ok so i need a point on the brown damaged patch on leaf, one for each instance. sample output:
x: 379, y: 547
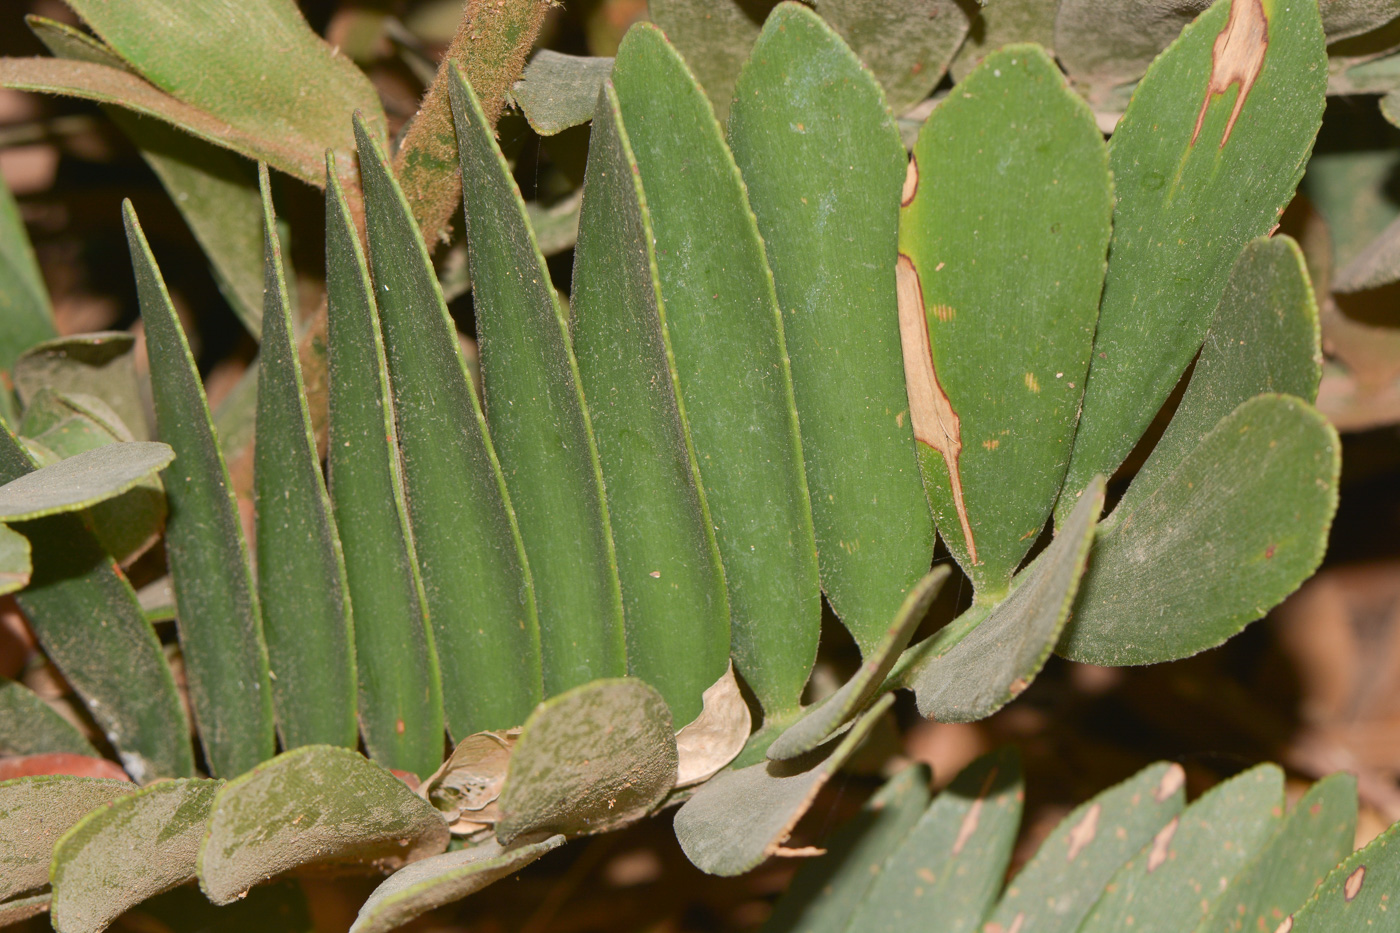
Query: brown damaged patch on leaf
x: 1083, y: 832
x: 801, y: 852
x: 911, y: 183
x: 715, y: 737
x: 1172, y: 781
x: 935, y: 422
x: 1237, y: 58
x: 1161, y: 845
x: 974, y: 813
x: 1286, y: 925
x: 1354, y: 882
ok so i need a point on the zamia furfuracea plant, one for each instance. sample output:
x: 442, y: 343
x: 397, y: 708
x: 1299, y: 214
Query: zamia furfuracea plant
x: 790, y: 350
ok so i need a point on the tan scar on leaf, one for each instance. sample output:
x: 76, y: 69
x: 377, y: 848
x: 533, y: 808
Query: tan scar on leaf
x: 1237, y: 58
x: 932, y: 416
x: 911, y: 183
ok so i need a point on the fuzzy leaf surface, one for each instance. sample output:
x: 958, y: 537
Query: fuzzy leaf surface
x: 57, y: 426
x: 34, y: 813
x: 215, y: 191
x: 301, y: 573
x: 1264, y: 338
x: 26, y: 316
x: 595, y: 757
x: 1059, y: 886
x: 994, y: 406
x: 100, y: 364
x: 1313, y: 839
x: 822, y: 720
x: 673, y: 595
x: 951, y: 862
x: 315, y: 805
x: 537, y: 419
x: 999, y: 658
x: 133, y: 848
x: 219, y: 624
x: 85, y: 615
x: 1172, y: 881
x: 81, y: 481
x: 16, y: 567
x: 400, y: 693
x: 106, y: 85
x: 1234, y: 528
x: 827, y: 890
x: 29, y: 726
x: 444, y: 879
x: 907, y: 44
x: 823, y: 165
x: 479, y: 595
x: 726, y: 334
x: 1209, y: 152
x: 558, y: 91
x: 740, y: 817
x: 255, y: 65
x: 1359, y: 894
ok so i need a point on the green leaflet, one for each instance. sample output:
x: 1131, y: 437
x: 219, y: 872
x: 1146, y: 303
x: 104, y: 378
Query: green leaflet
x: 1059, y: 886
x: 1312, y: 840
x: 257, y: 66
x: 479, y: 596
x: 219, y: 624
x: 820, y: 721
x: 558, y: 91
x: 1376, y: 265
x: 107, y: 85
x: 57, y: 426
x: 1003, y: 22
x: 400, y: 693
x: 827, y: 890
x: 726, y: 335
x: 668, y: 564
x: 34, y: 812
x: 315, y: 805
x: 100, y: 364
x: 22, y: 908
x: 15, y: 564
x: 1172, y: 881
x: 999, y: 658
x: 1104, y: 43
x: 951, y: 863
x: 715, y: 37
x: 1264, y: 338
x: 81, y: 481
x: 592, y: 759
x: 538, y: 424
x: 906, y: 45
x: 743, y: 815
x: 301, y: 574
x: 133, y: 848
x: 1234, y: 528
x: 86, y: 617
x: 213, y: 189
x: 1358, y: 896
x: 26, y: 317
x: 1009, y: 173
x: 823, y: 165
x: 29, y: 726
x: 1204, y: 160
x: 443, y: 879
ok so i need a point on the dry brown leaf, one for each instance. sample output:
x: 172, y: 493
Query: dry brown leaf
x: 717, y: 735
x: 470, y: 780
